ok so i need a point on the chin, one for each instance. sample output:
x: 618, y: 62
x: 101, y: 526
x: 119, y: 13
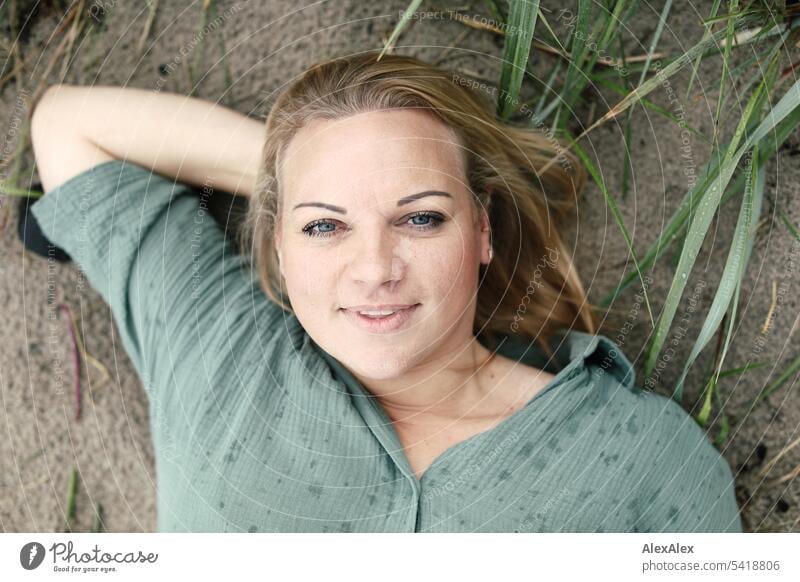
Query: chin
x: 375, y: 368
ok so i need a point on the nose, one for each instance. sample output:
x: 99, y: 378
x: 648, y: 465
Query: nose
x: 376, y: 259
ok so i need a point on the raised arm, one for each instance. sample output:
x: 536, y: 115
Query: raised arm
x: 194, y: 141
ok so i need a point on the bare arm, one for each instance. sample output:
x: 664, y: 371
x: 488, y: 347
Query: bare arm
x: 194, y: 141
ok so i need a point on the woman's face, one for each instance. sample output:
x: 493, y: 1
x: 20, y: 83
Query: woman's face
x: 377, y: 212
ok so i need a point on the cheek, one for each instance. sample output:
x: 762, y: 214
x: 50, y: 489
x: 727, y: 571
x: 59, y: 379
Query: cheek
x: 449, y: 268
x: 307, y: 274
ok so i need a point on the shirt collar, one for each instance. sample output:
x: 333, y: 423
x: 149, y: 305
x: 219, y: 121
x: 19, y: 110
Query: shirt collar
x: 571, y: 349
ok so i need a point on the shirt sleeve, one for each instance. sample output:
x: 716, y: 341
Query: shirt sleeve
x: 689, y: 486
x: 162, y: 263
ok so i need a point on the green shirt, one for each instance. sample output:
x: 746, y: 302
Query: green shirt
x: 256, y: 428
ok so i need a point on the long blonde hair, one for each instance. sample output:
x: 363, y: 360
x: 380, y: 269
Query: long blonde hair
x: 531, y: 287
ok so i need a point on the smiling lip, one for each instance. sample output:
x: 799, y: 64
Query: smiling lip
x: 385, y: 324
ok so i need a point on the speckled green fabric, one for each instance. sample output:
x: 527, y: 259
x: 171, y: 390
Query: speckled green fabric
x: 256, y: 428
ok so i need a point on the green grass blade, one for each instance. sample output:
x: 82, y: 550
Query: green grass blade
x: 585, y: 61
x: 7, y: 189
x: 408, y: 13
x: 578, y: 51
x: 710, y: 174
x: 662, y: 20
x: 707, y: 207
x: 627, y: 163
x: 612, y: 205
x: 742, y: 369
x: 726, y: 57
x: 494, y: 10
x: 705, y: 410
x: 521, y: 21
x: 548, y: 88
x: 648, y: 86
x: 72, y: 492
x: 618, y: 89
x: 787, y: 373
x: 751, y: 78
x: 724, y: 429
x: 550, y: 30
x: 714, y: 10
x: 627, y: 139
x: 674, y: 227
x: 97, y: 526
x: 770, y: 29
x: 733, y: 272
x: 629, y: 115
x: 788, y: 224
x: 679, y: 220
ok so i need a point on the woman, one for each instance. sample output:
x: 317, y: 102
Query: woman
x: 416, y: 353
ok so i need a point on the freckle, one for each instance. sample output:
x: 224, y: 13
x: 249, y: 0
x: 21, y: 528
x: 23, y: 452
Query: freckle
x: 252, y: 529
x: 221, y: 504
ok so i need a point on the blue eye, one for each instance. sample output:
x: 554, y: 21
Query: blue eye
x: 309, y: 229
x: 434, y: 220
x: 326, y: 228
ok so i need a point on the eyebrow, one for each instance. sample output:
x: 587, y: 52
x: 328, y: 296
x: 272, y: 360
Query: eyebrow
x: 401, y: 202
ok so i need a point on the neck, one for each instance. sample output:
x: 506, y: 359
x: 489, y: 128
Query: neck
x: 452, y: 385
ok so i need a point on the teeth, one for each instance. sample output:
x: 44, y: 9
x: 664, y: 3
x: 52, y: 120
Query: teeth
x: 376, y: 313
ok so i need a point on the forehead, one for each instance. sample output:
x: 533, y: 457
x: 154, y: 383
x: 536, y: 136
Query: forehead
x: 399, y: 148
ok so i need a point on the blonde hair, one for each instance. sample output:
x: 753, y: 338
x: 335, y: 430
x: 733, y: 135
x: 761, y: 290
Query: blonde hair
x: 525, y: 289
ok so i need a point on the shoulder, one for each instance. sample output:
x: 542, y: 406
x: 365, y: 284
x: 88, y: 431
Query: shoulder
x: 663, y: 434
x: 658, y: 425
x: 676, y: 478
